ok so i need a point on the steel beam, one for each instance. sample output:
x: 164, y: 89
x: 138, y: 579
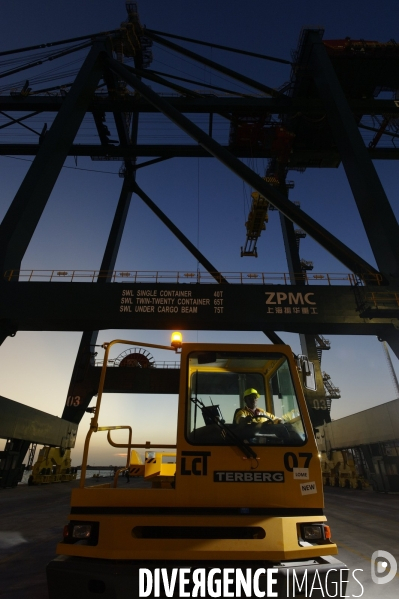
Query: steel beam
x: 18, y: 121
x: 308, y: 344
x: 85, y: 354
x: 23, y: 422
x: 308, y: 158
x: 191, y: 248
x: 120, y: 380
x: 314, y: 229
x: 314, y: 309
x: 214, y: 65
x: 80, y: 390
x: 180, y: 236
x: 227, y: 48
x: 314, y: 399
x: 374, y: 208
x: 121, y: 153
x: 291, y: 251
x: 211, y: 103
x: 22, y: 217
x: 184, y: 91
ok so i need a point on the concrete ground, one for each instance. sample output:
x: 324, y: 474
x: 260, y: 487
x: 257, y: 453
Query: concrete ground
x: 363, y: 522
x: 31, y: 523
x: 32, y: 519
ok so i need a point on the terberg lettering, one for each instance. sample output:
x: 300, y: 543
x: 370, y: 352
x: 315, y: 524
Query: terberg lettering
x: 273, y: 297
x: 235, y: 476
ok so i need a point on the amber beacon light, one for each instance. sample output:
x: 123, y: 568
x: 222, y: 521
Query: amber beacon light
x: 176, y: 340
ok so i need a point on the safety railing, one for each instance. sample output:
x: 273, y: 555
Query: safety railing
x: 382, y: 298
x: 241, y: 278
x: 162, y: 364
x: 97, y: 429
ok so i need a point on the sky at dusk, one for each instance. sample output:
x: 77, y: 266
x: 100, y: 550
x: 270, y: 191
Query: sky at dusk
x: 207, y: 202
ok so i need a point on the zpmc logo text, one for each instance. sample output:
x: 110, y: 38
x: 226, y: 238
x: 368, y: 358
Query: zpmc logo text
x: 292, y: 299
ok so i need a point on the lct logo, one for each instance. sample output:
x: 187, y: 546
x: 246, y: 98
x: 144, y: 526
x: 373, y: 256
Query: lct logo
x: 383, y: 567
x: 194, y: 462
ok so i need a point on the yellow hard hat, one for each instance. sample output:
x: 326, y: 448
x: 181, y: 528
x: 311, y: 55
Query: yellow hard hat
x: 251, y: 392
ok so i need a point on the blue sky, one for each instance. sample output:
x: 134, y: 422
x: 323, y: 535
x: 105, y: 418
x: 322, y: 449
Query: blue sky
x: 206, y: 201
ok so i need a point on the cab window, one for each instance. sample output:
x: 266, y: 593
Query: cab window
x: 218, y: 408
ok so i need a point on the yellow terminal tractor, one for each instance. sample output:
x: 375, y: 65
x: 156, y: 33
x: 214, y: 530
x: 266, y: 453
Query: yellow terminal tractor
x: 238, y: 512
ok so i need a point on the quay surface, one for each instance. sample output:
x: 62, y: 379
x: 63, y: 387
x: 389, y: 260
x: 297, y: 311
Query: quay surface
x: 32, y: 519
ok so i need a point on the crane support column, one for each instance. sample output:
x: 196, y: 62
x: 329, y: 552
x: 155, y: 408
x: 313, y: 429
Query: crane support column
x: 373, y: 205
x: 21, y: 219
x: 80, y: 391
x: 315, y: 399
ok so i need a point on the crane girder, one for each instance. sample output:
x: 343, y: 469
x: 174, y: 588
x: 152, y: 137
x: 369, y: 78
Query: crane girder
x: 328, y: 110
x: 314, y: 309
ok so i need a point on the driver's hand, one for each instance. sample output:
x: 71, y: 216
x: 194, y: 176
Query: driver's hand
x: 277, y: 421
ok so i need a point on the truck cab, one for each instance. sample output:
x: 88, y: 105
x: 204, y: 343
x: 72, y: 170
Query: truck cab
x: 242, y: 492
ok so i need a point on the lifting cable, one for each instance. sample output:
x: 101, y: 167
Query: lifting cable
x: 39, y: 62
x: 45, y: 76
x: 227, y: 48
x: 198, y: 210
x: 208, y: 85
x: 213, y: 65
x: 215, y: 71
x: 92, y: 170
x: 18, y: 60
x: 59, y: 43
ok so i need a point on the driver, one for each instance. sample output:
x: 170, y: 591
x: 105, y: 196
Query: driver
x: 250, y: 413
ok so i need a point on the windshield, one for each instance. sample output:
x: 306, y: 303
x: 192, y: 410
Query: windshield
x: 251, y: 395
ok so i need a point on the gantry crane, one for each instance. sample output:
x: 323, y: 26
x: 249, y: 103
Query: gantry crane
x: 329, y: 106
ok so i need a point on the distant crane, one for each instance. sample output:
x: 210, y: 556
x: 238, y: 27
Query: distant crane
x: 255, y: 224
x: 391, y: 368
x: 332, y: 392
x: 258, y: 215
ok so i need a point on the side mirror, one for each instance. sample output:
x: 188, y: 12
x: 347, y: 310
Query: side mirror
x: 206, y: 357
x: 307, y: 369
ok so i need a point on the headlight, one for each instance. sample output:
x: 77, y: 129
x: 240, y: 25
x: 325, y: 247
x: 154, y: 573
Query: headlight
x: 315, y: 532
x: 76, y: 531
x: 81, y: 531
x: 312, y: 533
